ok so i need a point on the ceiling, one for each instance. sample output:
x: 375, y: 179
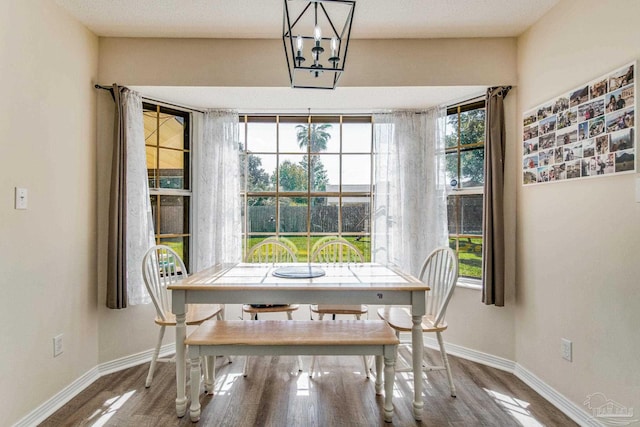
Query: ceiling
x: 263, y: 19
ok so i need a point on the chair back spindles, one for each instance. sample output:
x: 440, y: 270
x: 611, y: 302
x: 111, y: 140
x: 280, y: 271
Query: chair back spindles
x: 440, y: 272
x: 162, y: 267
x: 337, y: 252
x: 271, y: 250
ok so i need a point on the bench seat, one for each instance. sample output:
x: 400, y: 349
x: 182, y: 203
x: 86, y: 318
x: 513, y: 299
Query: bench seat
x: 294, y: 337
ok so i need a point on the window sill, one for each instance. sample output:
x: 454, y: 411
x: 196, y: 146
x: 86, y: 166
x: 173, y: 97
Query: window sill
x: 465, y: 282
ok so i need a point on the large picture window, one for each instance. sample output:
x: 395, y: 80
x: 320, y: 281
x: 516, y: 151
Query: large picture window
x: 167, y: 142
x: 306, y: 178
x: 464, y: 144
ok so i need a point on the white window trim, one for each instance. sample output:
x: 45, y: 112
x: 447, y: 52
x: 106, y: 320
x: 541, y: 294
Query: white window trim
x: 469, y: 283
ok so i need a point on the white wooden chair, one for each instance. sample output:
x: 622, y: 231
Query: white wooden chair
x: 161, y: 267
x: 270, y: 250
x: 440, y: 273
x: 332, y: 251
x: 323, y: 240
x: 335, y: 250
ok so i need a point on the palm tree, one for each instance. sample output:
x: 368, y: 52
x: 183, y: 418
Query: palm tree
x: 319, y: 136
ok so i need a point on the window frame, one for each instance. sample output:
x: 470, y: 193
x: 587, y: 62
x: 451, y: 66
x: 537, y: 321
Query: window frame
x: 187, y: 192
x: 244, y: 119
x: 277, y: 193
x: 459, y: 192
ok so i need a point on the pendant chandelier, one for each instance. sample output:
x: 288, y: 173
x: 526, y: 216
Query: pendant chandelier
x: 316, y: 39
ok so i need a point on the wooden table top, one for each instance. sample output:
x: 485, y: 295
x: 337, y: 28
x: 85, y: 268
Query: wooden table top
x: 242, y: 276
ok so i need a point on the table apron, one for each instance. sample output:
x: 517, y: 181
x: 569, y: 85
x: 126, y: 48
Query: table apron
x: 257, y: 296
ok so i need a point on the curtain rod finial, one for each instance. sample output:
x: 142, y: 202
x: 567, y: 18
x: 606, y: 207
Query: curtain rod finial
x: 110, y: 89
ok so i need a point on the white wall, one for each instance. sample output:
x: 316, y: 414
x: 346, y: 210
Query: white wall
x: 199, y: 62
x: 578, y: 241
x: 48, y: 63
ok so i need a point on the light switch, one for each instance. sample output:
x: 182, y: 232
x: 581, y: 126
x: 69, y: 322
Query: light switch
x: 638, y: 189
x: 21, y: 198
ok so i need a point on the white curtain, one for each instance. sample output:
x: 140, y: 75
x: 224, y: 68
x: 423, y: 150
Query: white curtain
x: 410, y: 210
x: 217, y: 192
x: 138, y: 223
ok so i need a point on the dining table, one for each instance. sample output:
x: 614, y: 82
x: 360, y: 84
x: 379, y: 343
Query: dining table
x: 339, y: 283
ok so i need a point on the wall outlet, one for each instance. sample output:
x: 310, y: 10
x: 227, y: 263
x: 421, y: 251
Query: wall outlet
x: 566, y: 349
x: 57, y: 345
x: 21, y: 198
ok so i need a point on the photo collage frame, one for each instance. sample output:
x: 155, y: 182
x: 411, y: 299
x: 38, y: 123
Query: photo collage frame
x: 586, y: 132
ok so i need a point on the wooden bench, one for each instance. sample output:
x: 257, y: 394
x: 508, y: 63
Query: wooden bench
x: 293, y: 337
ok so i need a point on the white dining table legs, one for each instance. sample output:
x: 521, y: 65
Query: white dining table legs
x: 181, y: 366
x: 417, y: 347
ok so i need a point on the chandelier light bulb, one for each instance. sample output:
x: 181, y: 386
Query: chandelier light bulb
x: 299, y: 43
x: 334, y: 46
x: 317, y: 34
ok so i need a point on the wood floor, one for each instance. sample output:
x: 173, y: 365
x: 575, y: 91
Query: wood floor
x: 275, y: 394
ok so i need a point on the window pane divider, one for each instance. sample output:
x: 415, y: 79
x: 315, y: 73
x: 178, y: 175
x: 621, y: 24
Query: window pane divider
x: 465, y: 191
x: 169, y: 192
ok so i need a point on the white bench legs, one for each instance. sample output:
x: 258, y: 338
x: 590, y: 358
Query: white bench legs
x: 282, y: 337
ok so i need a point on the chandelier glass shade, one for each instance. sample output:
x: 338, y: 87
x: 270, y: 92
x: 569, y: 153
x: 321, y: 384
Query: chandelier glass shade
x: 316, y: 40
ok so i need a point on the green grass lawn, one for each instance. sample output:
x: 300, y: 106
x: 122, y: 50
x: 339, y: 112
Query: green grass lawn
x: 469, y: 257
x: 175, y: 245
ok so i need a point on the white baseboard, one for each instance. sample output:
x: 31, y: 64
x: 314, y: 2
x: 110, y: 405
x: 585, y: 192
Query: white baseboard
x: 134, y: 360
x: 573, y: 411
x: 466, y: 353
x: 61, y: 398
x: 570, y: 409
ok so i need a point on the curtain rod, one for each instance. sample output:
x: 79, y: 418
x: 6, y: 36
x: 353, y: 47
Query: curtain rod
x: 107, y: 88
x: 467, y: 101
x: 503, y: 89
x: 256, y: 113
x: 146, y: 98
x: 169, y: 104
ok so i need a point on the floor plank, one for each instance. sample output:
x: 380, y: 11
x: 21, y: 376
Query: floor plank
x: 276, y: 394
